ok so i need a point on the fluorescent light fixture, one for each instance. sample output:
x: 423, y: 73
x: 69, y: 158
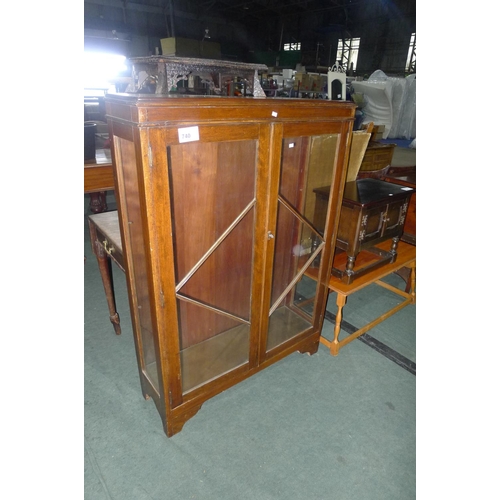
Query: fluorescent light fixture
x: 99, y: 68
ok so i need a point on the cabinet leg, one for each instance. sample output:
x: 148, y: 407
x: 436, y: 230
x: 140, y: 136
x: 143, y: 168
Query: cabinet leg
x: 174, y: 422
x: 310, y: 349
x: 334, y: 347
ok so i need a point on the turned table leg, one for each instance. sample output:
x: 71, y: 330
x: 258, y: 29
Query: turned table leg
x: 98, y: 202
x: 394, y: 248
x: 413, y: 281
x: 107, y: 279
x: 334, y: 347
x: 349, y: 268
x: 104, y: 262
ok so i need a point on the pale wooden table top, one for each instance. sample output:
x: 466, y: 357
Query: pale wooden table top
x: 108, y: 223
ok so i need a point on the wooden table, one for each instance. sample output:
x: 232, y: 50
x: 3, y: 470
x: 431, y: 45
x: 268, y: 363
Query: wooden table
x: 98, y: 178
x: 406, y: 258
x: 106, y: 243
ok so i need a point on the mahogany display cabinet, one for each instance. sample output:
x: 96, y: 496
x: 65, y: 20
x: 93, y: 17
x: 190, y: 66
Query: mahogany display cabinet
x: 215, y: 202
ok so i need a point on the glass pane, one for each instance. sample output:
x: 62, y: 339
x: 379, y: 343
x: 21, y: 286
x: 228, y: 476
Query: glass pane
x: 210, y: 358
x: 307, y: 166
x: 213, y: 206
x: 125, y: 151
x: 225, y: 291
x: 212, y: 183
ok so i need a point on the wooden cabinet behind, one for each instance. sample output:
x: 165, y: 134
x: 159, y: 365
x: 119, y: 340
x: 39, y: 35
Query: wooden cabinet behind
x: 216, y: 203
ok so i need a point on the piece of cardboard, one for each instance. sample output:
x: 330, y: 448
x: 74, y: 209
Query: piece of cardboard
x: 187, y: 47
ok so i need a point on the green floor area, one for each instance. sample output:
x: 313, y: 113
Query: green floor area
x: 308, y: 427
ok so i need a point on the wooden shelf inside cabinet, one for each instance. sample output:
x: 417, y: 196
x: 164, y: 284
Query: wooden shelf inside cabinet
x: 215, y: 201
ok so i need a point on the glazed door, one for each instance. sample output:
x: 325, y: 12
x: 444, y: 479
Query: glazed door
x: 308, y: 161
x: 213, y: 189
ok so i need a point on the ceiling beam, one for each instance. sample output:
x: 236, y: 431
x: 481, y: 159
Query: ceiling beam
x: 119, y: 4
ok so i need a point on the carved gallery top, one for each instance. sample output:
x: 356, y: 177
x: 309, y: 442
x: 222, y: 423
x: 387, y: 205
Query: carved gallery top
x: 167, y: 71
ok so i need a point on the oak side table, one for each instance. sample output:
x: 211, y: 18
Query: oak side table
x: 406, y: 258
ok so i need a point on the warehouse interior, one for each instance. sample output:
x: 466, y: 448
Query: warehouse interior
x: 343, y: 426
x: 258, y: 30
x: 319, y: 426
x: 358, y: 425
